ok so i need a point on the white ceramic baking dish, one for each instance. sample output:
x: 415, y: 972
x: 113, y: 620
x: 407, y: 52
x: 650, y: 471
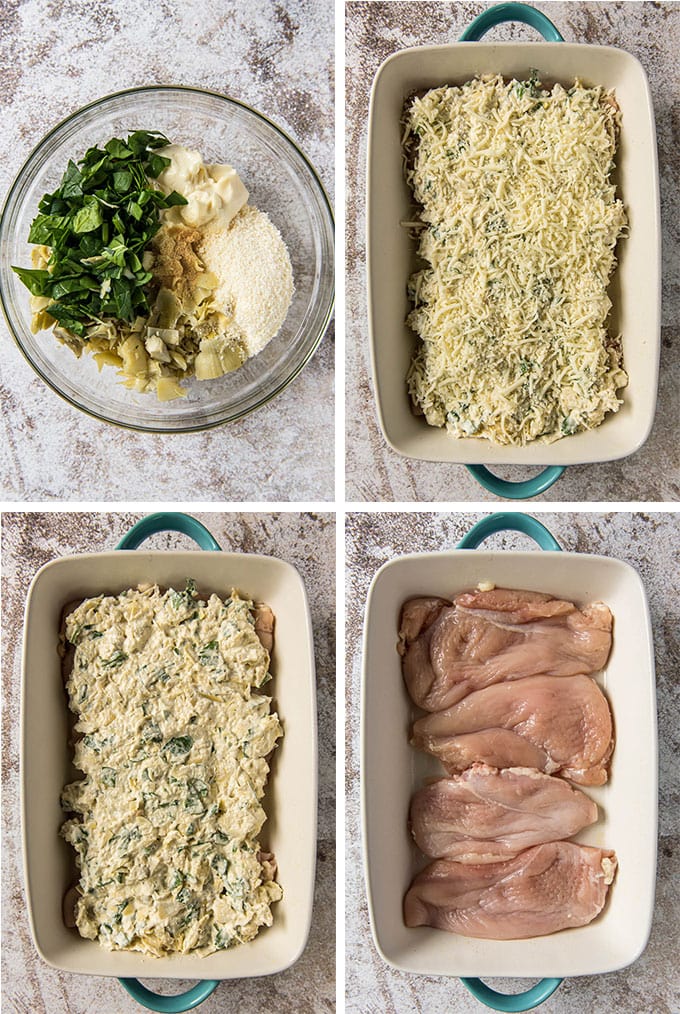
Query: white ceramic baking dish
x: 391, y: 770
x: 291, y: 797
x: 635, y: 290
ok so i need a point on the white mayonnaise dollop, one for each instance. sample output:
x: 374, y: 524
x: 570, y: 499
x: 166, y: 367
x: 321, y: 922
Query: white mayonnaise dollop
x: 213, y: 192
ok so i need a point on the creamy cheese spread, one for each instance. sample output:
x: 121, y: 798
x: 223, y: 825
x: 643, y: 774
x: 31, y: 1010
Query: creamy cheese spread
x: 518, y: 225
x: 172, y: 739
x: 214, y: 193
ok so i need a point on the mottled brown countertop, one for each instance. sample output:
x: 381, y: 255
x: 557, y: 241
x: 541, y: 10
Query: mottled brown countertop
x: 651, y: 32
x: 650, y: 543
x: 56, y: 57
x: 28, y: 541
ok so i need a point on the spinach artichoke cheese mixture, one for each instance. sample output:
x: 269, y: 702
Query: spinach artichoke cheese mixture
x: 155, y: 263
x: 518, y: 224
x: 173, y: 736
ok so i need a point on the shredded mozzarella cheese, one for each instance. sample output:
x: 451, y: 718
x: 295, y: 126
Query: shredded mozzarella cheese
x: 518, y: 226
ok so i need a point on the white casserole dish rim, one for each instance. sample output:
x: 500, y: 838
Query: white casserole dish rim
x: 613, y: 940
x: 291, y: 795
x: 635, y: 288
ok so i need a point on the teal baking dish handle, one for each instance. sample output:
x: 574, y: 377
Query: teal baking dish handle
x: 165, y: 521
x: 516, y: 490
x: 511, y: 12
x: 513, y: 522
x: 516, y: 522
x: 512, y: 1001
x: 170, y: 1004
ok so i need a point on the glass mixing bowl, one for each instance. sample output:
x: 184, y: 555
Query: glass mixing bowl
x: 281, y: 182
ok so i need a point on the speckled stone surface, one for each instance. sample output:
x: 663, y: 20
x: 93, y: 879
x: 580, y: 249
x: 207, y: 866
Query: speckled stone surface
x: 56, y: 57
x: 651, y: 32
x: 28, y: 541
x: 649, y: 542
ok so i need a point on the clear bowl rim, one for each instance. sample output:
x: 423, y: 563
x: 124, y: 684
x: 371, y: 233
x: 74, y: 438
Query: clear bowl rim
x: 320, y: 330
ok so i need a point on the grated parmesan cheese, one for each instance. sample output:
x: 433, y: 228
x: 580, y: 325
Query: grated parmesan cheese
x: 518, y: 226
x: 255, y: 286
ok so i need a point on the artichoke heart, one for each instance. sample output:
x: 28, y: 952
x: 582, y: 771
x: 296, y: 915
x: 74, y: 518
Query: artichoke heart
x: 156, y: 347
x: 169, y: 335
x: 166, y: 309
x: 167, y: 389
x: 133, y: 353
x: 219, y: 355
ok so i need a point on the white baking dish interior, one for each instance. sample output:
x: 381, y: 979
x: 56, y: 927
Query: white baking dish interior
x: 392, y: 770
x: 291, y: 797
x: 635, y: 290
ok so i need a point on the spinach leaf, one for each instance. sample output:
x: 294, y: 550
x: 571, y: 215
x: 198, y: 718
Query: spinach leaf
x: 109, y: 777
x: 88, y: 218
x: 208, y: 654
x: 116, y: 659
x: 179, y: 745
x: 151, y: 733
x: 220, y: 865
x: 187, y: 597
x: 34, y: 279
x: 222, y: 938
x: 72, y: 183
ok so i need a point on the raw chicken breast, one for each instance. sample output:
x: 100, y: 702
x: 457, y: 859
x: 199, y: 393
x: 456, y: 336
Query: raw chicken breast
x: 485, y: 815
x: 484, y: 637
x: 560, y: 726
x: 544, y: 889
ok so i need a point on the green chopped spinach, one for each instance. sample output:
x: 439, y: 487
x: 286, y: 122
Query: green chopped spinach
x: 178, y: 746
x: 109, y: 777
x: 126, y: 836
x: 97, y: 224
x: 208, y: 654
x: 75, y: 635
x: 197, y: 790
x: 187, y: 597
x: 220, y: 865
x: 151, y: 733
x: 119, y: 911
x: 116, y: 660
x: 222, y: 939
